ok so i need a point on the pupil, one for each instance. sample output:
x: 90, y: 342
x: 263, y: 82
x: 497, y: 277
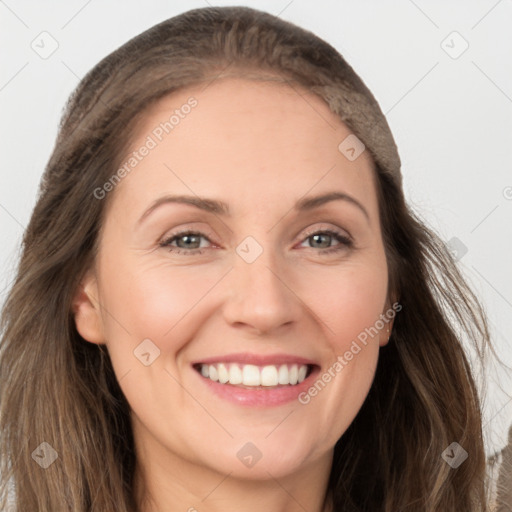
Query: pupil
x: 318, y: 236
x: 190, y: 238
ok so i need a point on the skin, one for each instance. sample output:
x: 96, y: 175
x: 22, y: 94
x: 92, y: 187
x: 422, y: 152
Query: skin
x: 258, y: 147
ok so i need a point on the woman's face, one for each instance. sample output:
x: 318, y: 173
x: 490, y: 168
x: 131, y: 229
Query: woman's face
x: 265, y: 283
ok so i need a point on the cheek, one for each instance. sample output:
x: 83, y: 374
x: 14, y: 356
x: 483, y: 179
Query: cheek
x: 153, y: 301
x: 349, y: 302
x: 350, y: 306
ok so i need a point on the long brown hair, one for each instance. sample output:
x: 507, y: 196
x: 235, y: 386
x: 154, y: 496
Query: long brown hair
x: 61, y: 390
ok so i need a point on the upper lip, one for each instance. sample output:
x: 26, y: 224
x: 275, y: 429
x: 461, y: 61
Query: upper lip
x: 256, y: 359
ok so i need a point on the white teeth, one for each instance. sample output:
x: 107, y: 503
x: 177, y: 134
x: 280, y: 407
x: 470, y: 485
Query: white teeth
x: 235, y: 375
x: 252, y: 375
x: 213, y: 374
x: 294, y: 374
x: 302, y: 373
x: 223, y: 373
x: 283, y: 375
x: 269, y: 376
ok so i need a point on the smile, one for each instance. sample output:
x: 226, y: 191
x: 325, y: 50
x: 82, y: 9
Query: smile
x: 249, y: 375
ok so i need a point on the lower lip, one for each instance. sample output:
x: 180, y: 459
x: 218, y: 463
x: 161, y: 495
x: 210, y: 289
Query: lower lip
x: 259, y: 396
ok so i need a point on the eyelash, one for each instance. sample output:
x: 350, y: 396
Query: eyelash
x: 345, y: 242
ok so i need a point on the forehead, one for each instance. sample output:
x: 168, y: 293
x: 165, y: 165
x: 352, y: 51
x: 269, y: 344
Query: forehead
x: 244, y: 138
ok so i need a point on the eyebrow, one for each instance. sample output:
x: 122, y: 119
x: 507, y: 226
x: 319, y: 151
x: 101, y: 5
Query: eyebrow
x: 221, y: 208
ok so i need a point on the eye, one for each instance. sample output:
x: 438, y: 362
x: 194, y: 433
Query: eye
x: 345, y: 242
x: 189, y: 242
x: 190, y: 238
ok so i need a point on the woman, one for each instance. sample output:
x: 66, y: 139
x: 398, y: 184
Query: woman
x: 256, y: 369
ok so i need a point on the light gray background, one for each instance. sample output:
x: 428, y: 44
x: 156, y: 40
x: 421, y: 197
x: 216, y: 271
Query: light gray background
x: 451, y: 116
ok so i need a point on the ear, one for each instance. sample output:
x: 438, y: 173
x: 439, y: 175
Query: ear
x: 86, y: 310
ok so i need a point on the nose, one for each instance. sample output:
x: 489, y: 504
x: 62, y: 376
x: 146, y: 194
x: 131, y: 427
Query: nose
x: 261, y: 295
